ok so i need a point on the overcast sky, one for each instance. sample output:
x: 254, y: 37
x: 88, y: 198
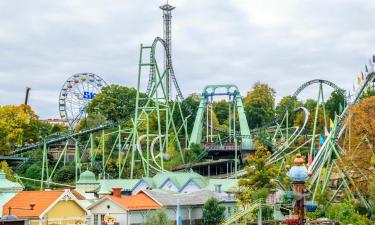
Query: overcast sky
x: 283, y: 43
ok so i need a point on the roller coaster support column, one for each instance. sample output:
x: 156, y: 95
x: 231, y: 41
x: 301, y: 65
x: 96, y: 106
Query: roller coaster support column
x: 92, y: 157
x: 44, y: 166
x: 76, y: 156
x: 315, y: 121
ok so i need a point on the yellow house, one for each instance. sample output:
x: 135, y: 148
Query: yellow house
x: 52, y: 207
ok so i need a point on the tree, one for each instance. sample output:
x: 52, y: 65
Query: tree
x: 257, y: 181
x: 115, y: 102
x: 34, y: 171
x: 213, y: 212
x: 335, y: 104
x: 287, y: 103
x: 7, y: 170
x: 189, y: 108
x: 259, y: 105
x: 159, y: 217
x: 65, y: 174
x: 358, y: 143
x: 92, y: 120
x: 346, y: 214
x: 221, y: 109
x: 17, y: 125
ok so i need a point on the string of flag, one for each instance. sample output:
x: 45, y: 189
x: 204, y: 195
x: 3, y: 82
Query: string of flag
x: 368, y: 69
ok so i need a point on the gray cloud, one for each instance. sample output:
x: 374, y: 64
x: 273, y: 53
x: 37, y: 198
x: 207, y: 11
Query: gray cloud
x: 283, y: 43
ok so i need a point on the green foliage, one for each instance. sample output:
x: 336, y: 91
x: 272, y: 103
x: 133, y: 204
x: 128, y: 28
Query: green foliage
x: 290, y: 104
x: 191, y: 102
x: 65, y: 174
x: 257, y: 181
x: 335, y: 104
x: 159, y: 217
x: 7, y: 170
x: 213, y: 212
x: 221, y: 109
x: 346, y: 214
x: 115, y: 102
x: 259, y: 105
x: 92, y: 120
x: 34, y: 171
x: 193, y: 153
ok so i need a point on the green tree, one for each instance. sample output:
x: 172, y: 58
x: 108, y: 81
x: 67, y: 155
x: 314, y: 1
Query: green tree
x: 7, y: 170
x: 335, y: 104
x: 159, y: 217
x: 92, y: 120
x: 259, y: 105
x: 34, y: 171
x: 221, y: 109
x: 213, y: 212
x: 65, y: 174
x: 287, y: 103
x: 346, y: 214
x: 257, y: 181
x: 115, y: 102
x: 189, y: 108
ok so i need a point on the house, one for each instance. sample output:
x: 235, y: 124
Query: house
x: 47, y: 207
x: 8, y: 189
x: 123, y: 209
x: 191, y: 204
x: 177, y: 182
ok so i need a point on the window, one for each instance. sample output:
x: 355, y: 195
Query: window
x: 96, y: 220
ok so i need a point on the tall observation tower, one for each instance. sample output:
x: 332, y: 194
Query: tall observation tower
x: 167, y: 20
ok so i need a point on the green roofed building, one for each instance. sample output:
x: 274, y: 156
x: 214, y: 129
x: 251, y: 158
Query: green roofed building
x: 8, y: 189
x: 171, y: 182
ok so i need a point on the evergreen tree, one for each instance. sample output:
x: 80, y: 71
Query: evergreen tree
x: 213, y: 212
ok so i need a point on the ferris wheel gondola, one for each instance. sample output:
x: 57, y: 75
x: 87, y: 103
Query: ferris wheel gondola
x: 75, y: 95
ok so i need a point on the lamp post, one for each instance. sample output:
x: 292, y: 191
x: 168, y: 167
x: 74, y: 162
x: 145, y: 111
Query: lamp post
x: 32, y: 205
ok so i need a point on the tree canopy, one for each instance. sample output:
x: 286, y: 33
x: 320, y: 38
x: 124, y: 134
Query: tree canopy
x: 259, y: 105
x: 213, y: 212
x: 115, y: 102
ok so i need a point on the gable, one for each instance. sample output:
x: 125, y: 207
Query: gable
x: 189, y: 187
x: 169, y: 186
x: 102, y: 206
x: 142, y: 185
x: 65, y: 208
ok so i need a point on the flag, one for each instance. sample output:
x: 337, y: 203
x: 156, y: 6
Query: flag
x: 362, y: 76
x: 359, y: 80
x: 321, y: 139
x: 366, y: 69
x: 326, y: 133
x: 330, y: 123
x: 309, y: 159
x: 178, y: 214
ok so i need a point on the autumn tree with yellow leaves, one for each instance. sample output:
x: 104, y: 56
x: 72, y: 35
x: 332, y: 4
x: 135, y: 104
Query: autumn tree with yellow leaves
x: 18, y: 124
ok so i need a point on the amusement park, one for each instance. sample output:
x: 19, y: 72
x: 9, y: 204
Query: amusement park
x: 138, y: 150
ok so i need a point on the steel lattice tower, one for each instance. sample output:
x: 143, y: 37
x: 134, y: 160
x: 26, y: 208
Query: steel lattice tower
x: 167, y: 19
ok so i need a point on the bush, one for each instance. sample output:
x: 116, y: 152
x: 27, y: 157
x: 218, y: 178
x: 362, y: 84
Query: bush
x: 159, y: 217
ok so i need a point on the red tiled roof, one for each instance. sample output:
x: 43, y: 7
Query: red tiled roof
x: 139, y: 201
x: 41, y: 199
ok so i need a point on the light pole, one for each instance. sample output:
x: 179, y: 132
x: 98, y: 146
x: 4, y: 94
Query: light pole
x: 32, y: 205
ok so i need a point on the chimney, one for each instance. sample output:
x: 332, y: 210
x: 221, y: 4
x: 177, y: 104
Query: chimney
x: 116, y: 192
x: 218, y: 188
